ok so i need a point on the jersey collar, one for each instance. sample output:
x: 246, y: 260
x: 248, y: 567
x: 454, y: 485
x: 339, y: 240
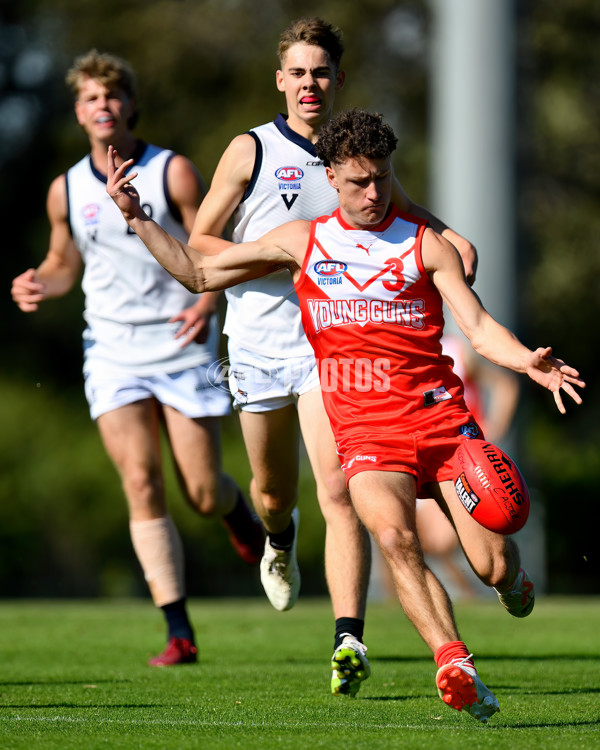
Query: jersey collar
x: 392, y: 214
x: 281, y: 125
x: 137, y: 154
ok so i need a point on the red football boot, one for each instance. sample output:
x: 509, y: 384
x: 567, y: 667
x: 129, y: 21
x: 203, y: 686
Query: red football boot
x: 178, y: 651
x: 246, y: 533
x: 460, y: 687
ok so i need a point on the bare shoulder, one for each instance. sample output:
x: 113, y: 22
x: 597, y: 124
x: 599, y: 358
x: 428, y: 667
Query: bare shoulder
x: 237, y: 162
x: 229, y: 182
x: 56, y: 201
x: 437, y: 252
x: 185, y: 182
x: 180, y: 167
x: 242, y: 145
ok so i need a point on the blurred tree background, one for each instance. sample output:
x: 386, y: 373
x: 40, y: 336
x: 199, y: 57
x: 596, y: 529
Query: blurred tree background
x: 206, y: 73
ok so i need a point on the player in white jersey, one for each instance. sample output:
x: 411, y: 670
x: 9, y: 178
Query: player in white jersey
x: 148, y: 344
x: 380, y: 312
x: 266, y: 177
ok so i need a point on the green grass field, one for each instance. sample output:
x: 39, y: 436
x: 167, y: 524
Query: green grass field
x: 73, y: 675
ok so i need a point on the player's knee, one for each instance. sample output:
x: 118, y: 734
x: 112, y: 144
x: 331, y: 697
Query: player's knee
x: 275, y: 498
x: 497, y: 571
x: 204, y: 499
x: 399, y: 546
x: 334, y: 501
x: 499, y: 567
x: 332, y: 493
x: 144, y: 489
x: 278, y: 504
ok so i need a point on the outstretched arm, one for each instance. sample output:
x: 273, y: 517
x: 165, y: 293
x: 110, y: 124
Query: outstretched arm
x: 176, y: 257
x: 490, y: 339
x: 215, y: 263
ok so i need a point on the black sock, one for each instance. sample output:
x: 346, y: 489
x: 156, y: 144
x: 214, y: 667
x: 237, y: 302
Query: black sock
x: 348, y: 626
x: 284, y: 539
x: 239, y: 513
x: 178, y: 622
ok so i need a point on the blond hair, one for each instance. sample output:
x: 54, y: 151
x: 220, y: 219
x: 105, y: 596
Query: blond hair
x: 110, y: 70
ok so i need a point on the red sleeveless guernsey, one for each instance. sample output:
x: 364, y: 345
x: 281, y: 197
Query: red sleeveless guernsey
x: 375, y: 319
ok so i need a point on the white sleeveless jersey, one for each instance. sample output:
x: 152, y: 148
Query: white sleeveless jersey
x: 288, y: 183
x: 129, y: 297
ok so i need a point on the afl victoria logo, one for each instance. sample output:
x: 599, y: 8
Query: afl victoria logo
x: 289, y: 174
x: 330, y: 267
x: 91, y: 213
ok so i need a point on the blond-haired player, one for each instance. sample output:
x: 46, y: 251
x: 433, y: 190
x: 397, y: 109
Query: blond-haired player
x: 148, y: 343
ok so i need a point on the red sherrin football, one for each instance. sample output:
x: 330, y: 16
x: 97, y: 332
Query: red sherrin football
x: 490, y: 486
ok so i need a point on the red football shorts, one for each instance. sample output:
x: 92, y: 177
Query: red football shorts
x: 425, y: 452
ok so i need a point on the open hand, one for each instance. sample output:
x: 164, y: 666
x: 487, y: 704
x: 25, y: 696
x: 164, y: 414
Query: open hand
x: 195, y: 326
x: 119, y: 187
x: 554, y: 375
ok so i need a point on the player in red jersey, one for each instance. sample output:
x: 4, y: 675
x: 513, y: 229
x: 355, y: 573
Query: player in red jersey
x: 266, y: 177
x: 371, y: 282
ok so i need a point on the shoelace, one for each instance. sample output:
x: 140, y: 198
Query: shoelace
x: 460, y: 662
x: 356, y: 645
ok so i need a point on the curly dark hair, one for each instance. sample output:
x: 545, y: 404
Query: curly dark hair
x: 355, y: 132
